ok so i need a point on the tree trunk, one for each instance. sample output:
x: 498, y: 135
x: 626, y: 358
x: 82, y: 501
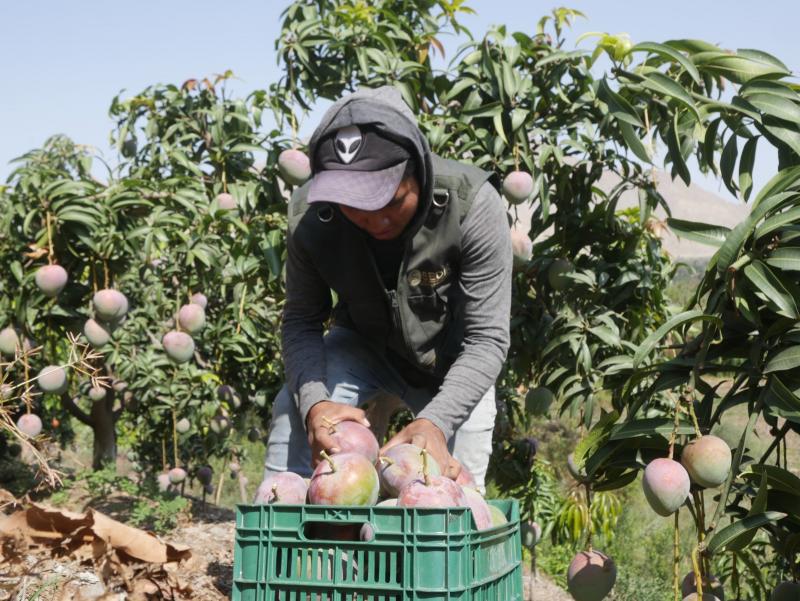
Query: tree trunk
x: 105, y: 435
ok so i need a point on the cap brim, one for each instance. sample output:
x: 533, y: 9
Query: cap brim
x: 365, y: 190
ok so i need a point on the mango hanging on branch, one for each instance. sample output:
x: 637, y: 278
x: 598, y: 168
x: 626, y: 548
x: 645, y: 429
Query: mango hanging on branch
x: 51, y: 279
x: 294, y: 167
x: 517, y: 186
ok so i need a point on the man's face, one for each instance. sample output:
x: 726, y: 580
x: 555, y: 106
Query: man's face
x: 390, y: 221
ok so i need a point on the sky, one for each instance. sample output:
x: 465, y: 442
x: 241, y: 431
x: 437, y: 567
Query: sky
x: 61, y: 63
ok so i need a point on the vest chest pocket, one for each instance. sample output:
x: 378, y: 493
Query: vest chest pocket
x: 431, y: 308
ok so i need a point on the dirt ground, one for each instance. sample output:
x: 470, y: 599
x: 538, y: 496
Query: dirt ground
x: 206, y: 576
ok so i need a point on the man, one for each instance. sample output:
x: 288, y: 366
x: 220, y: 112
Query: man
x: 417, y: 250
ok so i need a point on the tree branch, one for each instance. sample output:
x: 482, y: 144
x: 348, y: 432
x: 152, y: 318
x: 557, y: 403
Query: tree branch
x: 69, y: 404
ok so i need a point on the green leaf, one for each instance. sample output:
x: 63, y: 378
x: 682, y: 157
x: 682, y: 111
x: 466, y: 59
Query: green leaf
x: 666, y: 86
x: 773, y: 88
x: 771, y: 287
x: 785, y: 258
x: 594, y: 439
x: 671, y: 54
x: 739, y: 68
x: 728, y: 534
x: 180, y: 157
x: 786, y: 132
x: 692, y: 46
x: 783, y: 180
x: 484, y: 110
x: 755, y: 569
x: 648, y: 427
x: 786, y: 359
x: 710, y: 143
x: 746, y: 167
x: 407, y: 93
x: 775, y: 105
x: 271, y: 244
x: 727, y: 163
x: 729, y: 252
x: 674, y: 145
x: 649, y: 343
x: 776, y: 222
x: 782, y: 402
x: 242, y: 147
x: 634, y: 143
x: 705, y: 233
x: 615, y: 483
x: 498, y: 126
x: 79, y: 216
x: 618, y: 106
x: 458, y: 87
x: 778, y: 478
x: 518, y: 117
x: 606, y: 335
x: 509, y: 82
x: 764, y: 57
x: 759, y: 505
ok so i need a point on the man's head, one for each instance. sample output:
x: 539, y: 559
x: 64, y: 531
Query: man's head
x: 370, y: 177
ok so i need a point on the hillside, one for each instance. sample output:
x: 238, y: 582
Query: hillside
x: 692, y: 203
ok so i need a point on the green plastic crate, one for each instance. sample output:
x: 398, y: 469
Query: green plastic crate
x: 416, y: 554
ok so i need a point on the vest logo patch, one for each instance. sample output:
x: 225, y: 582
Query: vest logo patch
x: 430, y: 279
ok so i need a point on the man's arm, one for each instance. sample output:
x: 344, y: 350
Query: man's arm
x: 308, y: 306
x: 486, y: 283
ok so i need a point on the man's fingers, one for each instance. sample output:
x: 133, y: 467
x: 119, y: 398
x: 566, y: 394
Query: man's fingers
x: 393, y: 442
x: 324, y: 441
x: 453, y: 469
x: 344, y: 413
x: 357, y: 415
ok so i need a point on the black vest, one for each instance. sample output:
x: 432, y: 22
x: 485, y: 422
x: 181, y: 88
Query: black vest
x: 422, y: 320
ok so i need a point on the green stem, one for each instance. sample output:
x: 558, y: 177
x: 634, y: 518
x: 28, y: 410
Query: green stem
x: 783, y: 431
x: 733, y: 390
x: 174, y: 437
x: 676, y: 559
x: 698, y: 578
x: 675, y: 425
x: 588, y: 487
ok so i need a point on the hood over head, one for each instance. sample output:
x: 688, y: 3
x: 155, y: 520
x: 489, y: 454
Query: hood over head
x: 361, y: 147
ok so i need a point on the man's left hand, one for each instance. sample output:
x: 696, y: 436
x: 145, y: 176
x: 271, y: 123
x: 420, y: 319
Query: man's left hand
x: 426, y: 435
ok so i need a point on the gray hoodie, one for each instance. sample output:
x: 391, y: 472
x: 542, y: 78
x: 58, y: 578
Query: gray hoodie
x: 485, y: 279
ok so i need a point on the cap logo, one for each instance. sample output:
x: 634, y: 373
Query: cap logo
x: 347, y: 143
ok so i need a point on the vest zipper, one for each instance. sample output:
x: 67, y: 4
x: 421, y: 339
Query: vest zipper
x: 391, y: 296
x: 395, y: 304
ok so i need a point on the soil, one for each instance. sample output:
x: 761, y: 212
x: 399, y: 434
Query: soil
x: 207, y: 576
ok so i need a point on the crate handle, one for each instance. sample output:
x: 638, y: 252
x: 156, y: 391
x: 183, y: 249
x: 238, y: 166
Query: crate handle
x: 338, y: 531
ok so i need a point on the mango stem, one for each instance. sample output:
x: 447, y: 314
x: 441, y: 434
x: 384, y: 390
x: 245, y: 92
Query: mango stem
x: 425, y: 473
x: 327, y: 458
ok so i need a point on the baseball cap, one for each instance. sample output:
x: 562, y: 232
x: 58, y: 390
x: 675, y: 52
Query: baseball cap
x: 357, y: 167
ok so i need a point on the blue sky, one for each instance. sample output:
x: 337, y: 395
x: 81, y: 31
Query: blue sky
x: 62, y: 62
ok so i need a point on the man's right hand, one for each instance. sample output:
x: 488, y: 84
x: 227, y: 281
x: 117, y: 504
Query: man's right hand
x: 319, y: 420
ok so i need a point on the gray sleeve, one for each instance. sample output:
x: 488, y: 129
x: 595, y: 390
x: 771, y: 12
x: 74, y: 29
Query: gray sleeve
x: 308, y: 306
x: 486, y: 283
